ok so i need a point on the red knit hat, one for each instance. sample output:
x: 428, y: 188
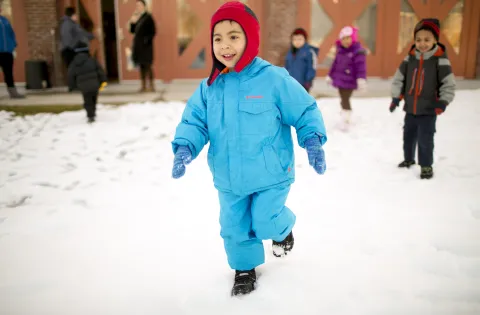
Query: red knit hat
x: 432, y: 25
x: 243, y: 15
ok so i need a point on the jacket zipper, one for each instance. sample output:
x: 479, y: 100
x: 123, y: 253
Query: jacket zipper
x: 417, y: 83
x: 422, y: 80
x: 414, y: 77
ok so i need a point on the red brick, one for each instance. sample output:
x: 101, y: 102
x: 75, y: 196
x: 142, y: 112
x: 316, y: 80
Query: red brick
x: 41, y: 19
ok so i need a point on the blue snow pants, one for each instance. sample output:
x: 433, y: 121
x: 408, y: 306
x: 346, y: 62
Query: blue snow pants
x: 247, y: 220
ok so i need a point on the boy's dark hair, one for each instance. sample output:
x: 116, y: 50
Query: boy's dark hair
x: 142, y: 1
x: 300, y: 31
x: 69, y: 11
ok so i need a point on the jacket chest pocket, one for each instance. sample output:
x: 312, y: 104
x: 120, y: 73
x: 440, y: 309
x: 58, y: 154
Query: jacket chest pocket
x: 257, y: 118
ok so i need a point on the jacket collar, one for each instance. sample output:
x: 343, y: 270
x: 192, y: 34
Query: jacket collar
x: 437, y: 51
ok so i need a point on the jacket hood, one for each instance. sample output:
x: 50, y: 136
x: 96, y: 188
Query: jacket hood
x: 438, y: 51
x: 243, y: 15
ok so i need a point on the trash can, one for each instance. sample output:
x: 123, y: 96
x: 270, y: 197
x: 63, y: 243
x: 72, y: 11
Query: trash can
x: 36, y: 75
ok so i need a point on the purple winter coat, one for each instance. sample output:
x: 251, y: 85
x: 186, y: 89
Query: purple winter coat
x: 348, y: 66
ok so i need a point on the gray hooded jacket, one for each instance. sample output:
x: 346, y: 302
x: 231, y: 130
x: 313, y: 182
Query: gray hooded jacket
x: 424, y: 80
x: 71, y: 33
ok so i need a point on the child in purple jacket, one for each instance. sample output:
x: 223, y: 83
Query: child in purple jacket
x: 348, y: 71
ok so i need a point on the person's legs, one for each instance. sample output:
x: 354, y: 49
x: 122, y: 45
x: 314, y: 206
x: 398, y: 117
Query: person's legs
x: 346, y: 112
x: 271, y: 219
x: 410, y: 133
x: 151, y: 78
x: 426, y: 132
x: 6, y: 63
x: 244, y: 250
x: 89, y: 103
x: 143, y: 77
x: 345, y: 95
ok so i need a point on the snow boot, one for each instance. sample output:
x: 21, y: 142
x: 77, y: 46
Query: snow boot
x: 91, y: 120
x: 13, y: 93
x: 427, y: 172
x: 143, y: 87
x: 244, y: 282
x: 152, y: 86
x: 282, y: 248
x: 406, y: 164
x: 345, y: 120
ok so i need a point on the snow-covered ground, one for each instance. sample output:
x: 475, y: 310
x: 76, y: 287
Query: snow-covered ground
x: 92, y: 223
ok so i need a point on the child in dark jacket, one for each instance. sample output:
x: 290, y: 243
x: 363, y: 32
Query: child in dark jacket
x: 301, y: 60
x: 349, y: 70
x: 86, y: 74
x: 426, y: 82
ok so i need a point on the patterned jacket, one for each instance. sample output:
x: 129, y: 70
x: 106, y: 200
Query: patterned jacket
x: 424, y: 80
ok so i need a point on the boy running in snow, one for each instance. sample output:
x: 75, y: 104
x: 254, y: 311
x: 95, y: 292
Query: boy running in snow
x: 245, y: 109
x: 426, y: 82
x: 301, y: 60
x: 349, y: 69
x: 86, y: 74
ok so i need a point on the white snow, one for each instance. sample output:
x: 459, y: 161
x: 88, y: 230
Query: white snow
x: 91, y: 221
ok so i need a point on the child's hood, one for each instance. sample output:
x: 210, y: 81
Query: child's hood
x: 243, y: 15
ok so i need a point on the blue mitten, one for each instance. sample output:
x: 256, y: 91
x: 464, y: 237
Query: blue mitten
x: 316, y: 156
x: 182, y: 157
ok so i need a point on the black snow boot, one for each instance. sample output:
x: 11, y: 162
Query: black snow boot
x: 282, y: 248
x: 406, y: 164
x: 427, y: 172
x: 244, y: 282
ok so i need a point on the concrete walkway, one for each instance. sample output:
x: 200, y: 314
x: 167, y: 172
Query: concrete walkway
x: 178, y: 90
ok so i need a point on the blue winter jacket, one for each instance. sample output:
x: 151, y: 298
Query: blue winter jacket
x: 303, y: 64
x: 8, y: 42
x: 246, y: 116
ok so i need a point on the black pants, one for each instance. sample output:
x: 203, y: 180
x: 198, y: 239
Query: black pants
x: 6, y: 63
x: 419, y: 129
x: 67, y: 56
x: 90, y: 103
x: 146, y: 71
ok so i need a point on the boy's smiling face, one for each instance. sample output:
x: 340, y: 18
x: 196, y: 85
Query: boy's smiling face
x: 229, y: 42
x: 424, y: 41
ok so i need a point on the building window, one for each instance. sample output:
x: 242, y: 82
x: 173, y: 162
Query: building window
x: 367, y: 26
x: 451, y: 27
x: 321, y: 25
x: 408, y: 20
x: 187, y: 28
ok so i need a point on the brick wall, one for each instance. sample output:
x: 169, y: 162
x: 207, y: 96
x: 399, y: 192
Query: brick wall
x: 41, y: 19
x: 280, y: 22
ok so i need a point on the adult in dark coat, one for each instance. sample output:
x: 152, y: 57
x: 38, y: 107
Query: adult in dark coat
x: 143, y: 27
